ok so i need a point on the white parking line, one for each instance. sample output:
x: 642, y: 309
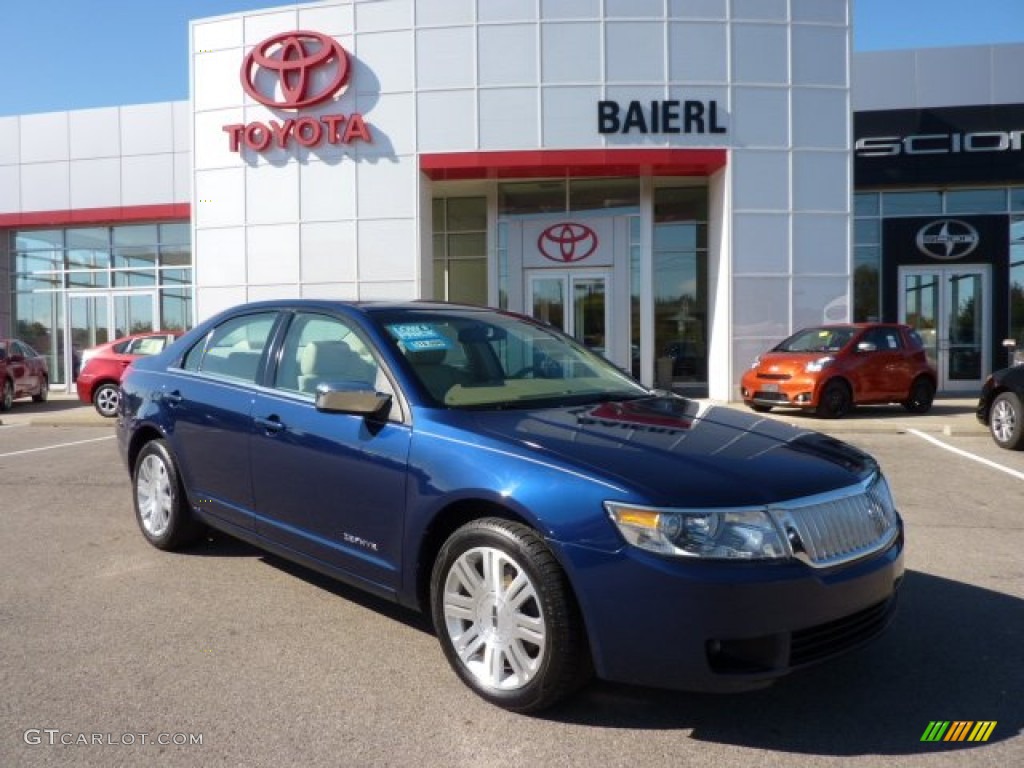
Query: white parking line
x: 52, y: 447
x: 965, y: 454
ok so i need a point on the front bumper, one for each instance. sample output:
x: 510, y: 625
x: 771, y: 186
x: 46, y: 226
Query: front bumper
x: 720, y: 627
x: 794, y: 392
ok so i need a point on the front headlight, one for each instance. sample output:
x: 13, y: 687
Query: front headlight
x: 731, y: 534
x: 816, y: 366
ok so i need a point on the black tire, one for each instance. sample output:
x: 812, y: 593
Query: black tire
x: 760, y: 408
x: 1006, y: 421
x: 6, y: 396
x: 44, y: 391
x: 106, y: 399
x: 161, y: 508
x: 835, y: 400
x: 922, y: 395
x: 502, y: 666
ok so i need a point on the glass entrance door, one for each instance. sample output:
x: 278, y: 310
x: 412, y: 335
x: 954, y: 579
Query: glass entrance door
x: 96, y: 318
x: 949, y: 307
x: 575, y: 302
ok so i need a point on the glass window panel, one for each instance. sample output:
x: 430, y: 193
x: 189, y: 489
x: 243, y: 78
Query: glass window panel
x: 176, y: 255
x: 906, y: 203
x: 463, y: 246
x: 680, y: 317
x: 82, y: 257
x: 89, y: 238
x: 176, y: 234
x: 88, y: 279
x: 1017, y: 228
x: 134, y: 257
x: 866, y: 204
x: 38, y: 321
x: 532, y: 197
x: 40, y: 239
x: 135, y: 235
x: 467, y: 281
x: 37, y: 261
x: 440, y: 291
x: 1017, y: 302
x: 135, y: 278
x: 175, y: 309
x: 37, y: 282
x: 437, y: 215
x: 680, y: 204
x: 466, y: 214
x: 866, y: 288
x: 603, y: 194
x: 679, y: 237
x: 869, y: 255
x: 176, y: 277
x: 867, y: 231
x: 976, y: 201
x: 1017, y: 199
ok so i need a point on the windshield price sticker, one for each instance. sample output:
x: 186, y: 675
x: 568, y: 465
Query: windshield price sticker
x: 419, y: 337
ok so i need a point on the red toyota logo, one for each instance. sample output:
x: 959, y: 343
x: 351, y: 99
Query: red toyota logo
x: 567, y: 242
x: 295, y: 58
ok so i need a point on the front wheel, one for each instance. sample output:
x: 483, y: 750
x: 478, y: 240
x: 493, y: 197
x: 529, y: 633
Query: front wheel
x: 1006, y: 422
x: 506, y: 617
x: 161, y: 509
x: 835, y: 401
x: 106, y: 399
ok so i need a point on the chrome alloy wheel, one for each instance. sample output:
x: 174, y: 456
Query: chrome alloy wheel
x: 493, y: 616
x: 1004, y: 420
x: 106, y: 400
x: 154, y: 495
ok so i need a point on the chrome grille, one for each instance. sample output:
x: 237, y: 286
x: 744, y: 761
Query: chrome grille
x: 835, y: 528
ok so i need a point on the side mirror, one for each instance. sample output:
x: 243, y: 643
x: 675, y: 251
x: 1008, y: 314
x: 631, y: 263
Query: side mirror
x: 338, y: 398
x: 866, y: 346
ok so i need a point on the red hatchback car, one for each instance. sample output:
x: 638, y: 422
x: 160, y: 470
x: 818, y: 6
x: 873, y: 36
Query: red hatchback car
x: 99, y: 381
x: 23, y: 373
x: 831, y: 368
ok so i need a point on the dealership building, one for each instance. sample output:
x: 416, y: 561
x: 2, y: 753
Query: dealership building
x: 677, y: 183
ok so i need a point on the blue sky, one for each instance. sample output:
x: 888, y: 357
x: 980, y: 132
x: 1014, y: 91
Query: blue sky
x: 76, y: 54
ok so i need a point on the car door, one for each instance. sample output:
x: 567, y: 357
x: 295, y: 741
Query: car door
x: 330, y: 486
x: 884, y: 368
x: 26, y: 369
x: 208, y: 409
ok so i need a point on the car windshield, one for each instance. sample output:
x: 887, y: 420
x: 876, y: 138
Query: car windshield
x: 823, y: 339
x: 475, y: 359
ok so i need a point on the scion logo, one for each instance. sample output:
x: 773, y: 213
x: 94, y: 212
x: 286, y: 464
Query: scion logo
x: 296, y: 59
x: 567, y: 242
x: 947, y: 239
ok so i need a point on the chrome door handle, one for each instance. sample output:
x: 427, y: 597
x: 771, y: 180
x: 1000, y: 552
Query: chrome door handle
x: 271, y: 424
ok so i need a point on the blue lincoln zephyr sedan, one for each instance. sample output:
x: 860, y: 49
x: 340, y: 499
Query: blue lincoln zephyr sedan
x: 556, y: 519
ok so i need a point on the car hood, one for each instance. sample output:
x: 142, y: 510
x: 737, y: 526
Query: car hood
x: 677, y: 452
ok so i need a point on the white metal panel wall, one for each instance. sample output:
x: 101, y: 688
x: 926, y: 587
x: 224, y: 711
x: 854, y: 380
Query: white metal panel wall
x: 486, y: 75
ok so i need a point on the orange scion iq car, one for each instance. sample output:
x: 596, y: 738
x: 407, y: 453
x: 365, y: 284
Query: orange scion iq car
x: 99, y: 380
x: 829, y: 369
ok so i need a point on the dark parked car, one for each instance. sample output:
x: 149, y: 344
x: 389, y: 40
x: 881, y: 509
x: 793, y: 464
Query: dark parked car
x: 103, y: 366
x: 1000, y: 407
x: 829, y: 369
x: 554, y: 518
x: 23, y: 373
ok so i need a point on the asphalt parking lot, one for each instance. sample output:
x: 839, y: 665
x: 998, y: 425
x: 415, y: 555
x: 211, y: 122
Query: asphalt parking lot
x: 108, y: 641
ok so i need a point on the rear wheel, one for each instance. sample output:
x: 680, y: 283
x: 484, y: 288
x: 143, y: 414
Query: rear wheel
x: 7, y: 396
x: 44, y: 391
x: 506, y: 617
x: 1006, y: 422
x: 922, y: 394
x: 106, y: 399
x: 835, y: 400
x: 161, y: 509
